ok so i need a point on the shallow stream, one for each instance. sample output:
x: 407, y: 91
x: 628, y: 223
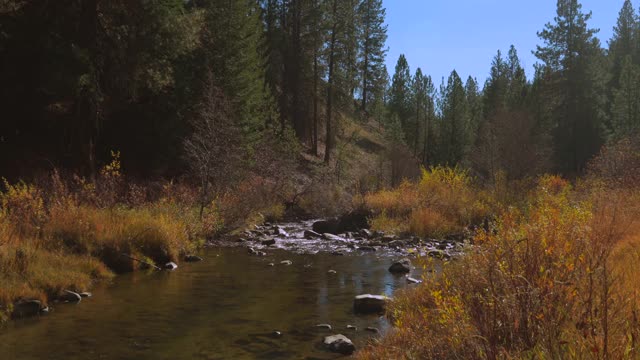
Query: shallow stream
x: 226, y: 307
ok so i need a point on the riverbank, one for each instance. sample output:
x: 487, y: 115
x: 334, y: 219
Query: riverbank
x: 59, y: 240
x: 553, y: 277
x: 67, y: 234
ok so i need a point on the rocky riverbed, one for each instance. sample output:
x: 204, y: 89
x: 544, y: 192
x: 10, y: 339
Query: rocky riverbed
x: 299, y: 290
x: 316, y: 236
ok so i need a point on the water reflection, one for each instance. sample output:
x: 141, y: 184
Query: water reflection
x: 226, y: 307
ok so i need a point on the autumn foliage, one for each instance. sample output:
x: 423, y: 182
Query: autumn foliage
x: 555, y: 278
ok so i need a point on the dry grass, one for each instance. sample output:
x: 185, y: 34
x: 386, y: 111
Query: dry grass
x: 61, y: 235
x: 443, y: 201
x: 58, y: 234
x: 556, y: 279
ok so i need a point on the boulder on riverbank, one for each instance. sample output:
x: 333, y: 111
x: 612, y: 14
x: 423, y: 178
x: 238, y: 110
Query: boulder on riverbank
x: 370, y: 304
x: 326, y: 226
x: 401, y: 266
x: 339, y: 344
x: 27, y: 308
x: 70, y: 296
x: 354, y: 221
x: 170, y: 266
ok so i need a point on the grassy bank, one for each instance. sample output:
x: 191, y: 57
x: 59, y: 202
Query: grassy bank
x: 54, y: 238
x: 444, y: 201
x: 555, y: 277
x: 67, y: 233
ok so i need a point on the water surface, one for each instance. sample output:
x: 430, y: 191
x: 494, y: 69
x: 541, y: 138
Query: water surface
x: 226, y: 307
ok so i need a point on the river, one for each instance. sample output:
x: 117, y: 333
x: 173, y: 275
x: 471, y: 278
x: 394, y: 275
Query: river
x: 225, y: 307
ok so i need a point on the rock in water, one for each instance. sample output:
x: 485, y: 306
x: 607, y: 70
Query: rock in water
x: 370, y: 304
x: 70, y: 296
x: 326, y: 226
x: 439, y: 254
x: 354, y: 220
x: 332, y: 237
x: 286, y: 262
x: 26, y: 308
x: 310, y: 234
x: 401, y: 266
x: 367, y: 248
x: 397, y: 244
x: 86, y: 294
x: 268, y: 242
x: 170, y: 266
x: 323, y: 326
x: 192, y: 258
x: 339, y: 344
x: 277, y: 230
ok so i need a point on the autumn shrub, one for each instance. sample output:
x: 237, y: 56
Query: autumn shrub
x: 443, y: 201
x: 555, y: 279
x: 22, y: 206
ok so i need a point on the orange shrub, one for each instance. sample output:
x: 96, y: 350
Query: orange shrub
x: 557, y: 279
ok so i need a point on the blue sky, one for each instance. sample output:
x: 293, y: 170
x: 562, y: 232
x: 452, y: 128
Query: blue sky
x: 441, y: 35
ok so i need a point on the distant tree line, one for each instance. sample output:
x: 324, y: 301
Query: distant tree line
x: 581, y: 97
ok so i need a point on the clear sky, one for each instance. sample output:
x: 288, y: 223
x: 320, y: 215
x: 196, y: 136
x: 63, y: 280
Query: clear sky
x: 441, y: 35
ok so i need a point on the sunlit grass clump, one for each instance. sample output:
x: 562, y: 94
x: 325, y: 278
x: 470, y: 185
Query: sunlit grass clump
x: 442, y: 202
x: 68, y: 235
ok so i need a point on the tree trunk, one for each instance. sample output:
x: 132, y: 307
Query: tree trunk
x: 315, y: 101
x: 329, y: 135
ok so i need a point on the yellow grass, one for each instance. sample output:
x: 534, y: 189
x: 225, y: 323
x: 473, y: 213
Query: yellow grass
x: 60, y: 239
x: 443, y: 201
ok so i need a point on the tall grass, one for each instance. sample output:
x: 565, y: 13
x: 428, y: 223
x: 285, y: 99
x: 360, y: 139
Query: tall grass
x: 60, y: 234
x: 442, y: 202
x: 555, y: 279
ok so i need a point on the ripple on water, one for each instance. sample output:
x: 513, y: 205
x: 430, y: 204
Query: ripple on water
x: 226, y: 307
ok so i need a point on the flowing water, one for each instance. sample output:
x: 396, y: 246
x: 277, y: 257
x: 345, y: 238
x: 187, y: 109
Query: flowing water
x: 226, y: 307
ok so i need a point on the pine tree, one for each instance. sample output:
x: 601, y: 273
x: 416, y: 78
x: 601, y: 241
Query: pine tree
x: 232, y: 46
x: 474, y: 100
x: 455, y: 124
x: 572, y: 57
x: 496, y: 86
x: 626, y: 103
x: 624, y: 41
x: 517, y: 88
x: 429, y: 130
x: 372, y: 36
x: 419, y: 100
x: 400, y: 95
